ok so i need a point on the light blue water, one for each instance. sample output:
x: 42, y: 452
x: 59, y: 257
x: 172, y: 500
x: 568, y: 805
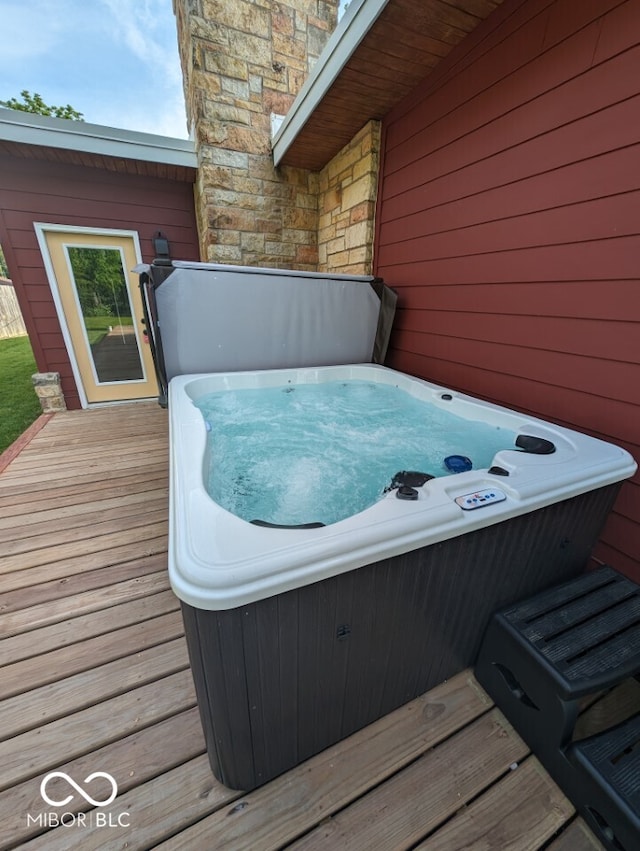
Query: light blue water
x: 322, y: 452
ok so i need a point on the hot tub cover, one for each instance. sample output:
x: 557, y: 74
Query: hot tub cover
x: 206, y: 318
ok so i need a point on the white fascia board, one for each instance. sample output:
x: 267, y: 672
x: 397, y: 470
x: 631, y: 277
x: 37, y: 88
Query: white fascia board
x: 355, y: 24
x: 29, y: 129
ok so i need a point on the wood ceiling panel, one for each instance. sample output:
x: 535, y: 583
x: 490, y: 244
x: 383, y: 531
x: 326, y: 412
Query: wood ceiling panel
x: 106, y: 163
x: 406, y: 42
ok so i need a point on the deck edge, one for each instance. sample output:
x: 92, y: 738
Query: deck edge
x: 21, y: 442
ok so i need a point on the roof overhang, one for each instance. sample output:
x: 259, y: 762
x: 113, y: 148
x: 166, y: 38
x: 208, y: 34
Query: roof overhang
x: 379, y: 53
x: 27, y: 135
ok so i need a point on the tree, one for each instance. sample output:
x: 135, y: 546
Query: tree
x: 34, y: 103
x: 100, y: 281
x: 4, y: 271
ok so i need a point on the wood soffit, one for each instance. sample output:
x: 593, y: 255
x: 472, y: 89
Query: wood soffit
x: 121, y: 165
x: 403, y: 46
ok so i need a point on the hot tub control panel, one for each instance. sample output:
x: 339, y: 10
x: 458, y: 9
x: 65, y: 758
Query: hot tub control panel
x: 478, y: 499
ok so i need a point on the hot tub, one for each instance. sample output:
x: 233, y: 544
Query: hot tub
x: 300, y: 636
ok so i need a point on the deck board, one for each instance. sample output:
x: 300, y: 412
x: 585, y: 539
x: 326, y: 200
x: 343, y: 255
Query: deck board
x: 122, y: 548
x: 72, y: 516
x: 90, y: 616
x: 521, y: 812
x: 26, y: 619
x: 444, y: 779
x: 67, y: 695
x: 95, y: 677
x: 282, y: 810
x: 61, y: 663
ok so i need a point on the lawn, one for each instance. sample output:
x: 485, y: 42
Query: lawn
x: 19, y: 405
x: 97, y: 327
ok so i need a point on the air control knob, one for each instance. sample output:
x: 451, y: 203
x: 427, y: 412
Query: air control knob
x: 406, y: 492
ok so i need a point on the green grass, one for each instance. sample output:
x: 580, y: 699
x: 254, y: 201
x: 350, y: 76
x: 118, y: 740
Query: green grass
x: 97, y: 327
x: 19, y: 405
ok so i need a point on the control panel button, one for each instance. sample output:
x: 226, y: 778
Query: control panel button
x: 478, y: 499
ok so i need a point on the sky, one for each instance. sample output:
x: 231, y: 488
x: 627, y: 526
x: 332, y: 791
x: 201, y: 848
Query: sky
x: 115, y: 61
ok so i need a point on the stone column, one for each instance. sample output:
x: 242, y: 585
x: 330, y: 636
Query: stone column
x: 49, y: 391
x: 243, y: 60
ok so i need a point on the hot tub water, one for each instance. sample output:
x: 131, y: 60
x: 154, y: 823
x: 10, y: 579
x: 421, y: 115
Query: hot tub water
x: 323, y: 452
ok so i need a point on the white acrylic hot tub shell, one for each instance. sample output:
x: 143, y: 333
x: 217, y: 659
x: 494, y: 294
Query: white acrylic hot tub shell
x: 218, y: 561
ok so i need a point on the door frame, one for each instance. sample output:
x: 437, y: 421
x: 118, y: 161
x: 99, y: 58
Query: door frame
x: 41, y: 229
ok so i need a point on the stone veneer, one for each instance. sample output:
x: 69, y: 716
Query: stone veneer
x: 347, y: 198
x: 243, y: 60
x: 49, y: 391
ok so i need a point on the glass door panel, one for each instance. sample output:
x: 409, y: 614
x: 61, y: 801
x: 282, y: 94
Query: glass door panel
x: 99, y: 279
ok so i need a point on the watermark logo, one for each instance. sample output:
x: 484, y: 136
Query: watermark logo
x: 58, y: 789
x: 79, y: 789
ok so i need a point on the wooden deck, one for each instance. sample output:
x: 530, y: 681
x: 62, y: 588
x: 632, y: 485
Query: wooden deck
x: 95, y: 677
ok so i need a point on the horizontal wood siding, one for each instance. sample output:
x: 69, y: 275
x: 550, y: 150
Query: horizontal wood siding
x: 509, y: 223
x: 61, y: 193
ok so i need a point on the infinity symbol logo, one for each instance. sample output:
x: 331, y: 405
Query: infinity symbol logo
x: 72, y: 783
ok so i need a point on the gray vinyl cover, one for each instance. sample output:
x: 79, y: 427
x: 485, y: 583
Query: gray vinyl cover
x: 226, y: 318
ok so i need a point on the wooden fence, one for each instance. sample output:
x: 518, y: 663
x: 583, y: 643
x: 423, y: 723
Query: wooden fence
x: 11, y: 321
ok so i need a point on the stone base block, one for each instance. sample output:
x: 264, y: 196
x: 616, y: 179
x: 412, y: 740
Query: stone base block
x: 49, y: 391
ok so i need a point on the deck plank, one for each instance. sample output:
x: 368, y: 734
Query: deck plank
x: 142, y: 528
x: 24, y: 620
x: 576, y: 837
x: 35, y: 524
x: 91, y: 529
x: 86, y: 616
x: 53, y: 464
x: 286, y: 808
x: 20, y: 444
x: 68, y: 695
x: 55, y: 456
x: 164, y: 805
x: 612, y: 708
x: 17, y: 481
x: 50, y: 667
x: 521, y: 812
x: 46, y: 747
x: 76, y: 494
x: 135, y: 759
x: 129, y: 547
x: 35, y: 491
x: 29, y: 596
x: 444, y: 779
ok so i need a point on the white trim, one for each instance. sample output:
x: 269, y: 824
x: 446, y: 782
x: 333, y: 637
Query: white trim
x: 89, y: 230
x: 354, y: 25
x: 30, y: 129
x: 276, y: 122
x: 143, y: 399
x: 96, y: 379
x: 41, y: 229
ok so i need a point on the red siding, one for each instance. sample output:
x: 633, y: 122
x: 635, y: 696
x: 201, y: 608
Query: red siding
x: 509, y: 223
x: 57, y: 193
